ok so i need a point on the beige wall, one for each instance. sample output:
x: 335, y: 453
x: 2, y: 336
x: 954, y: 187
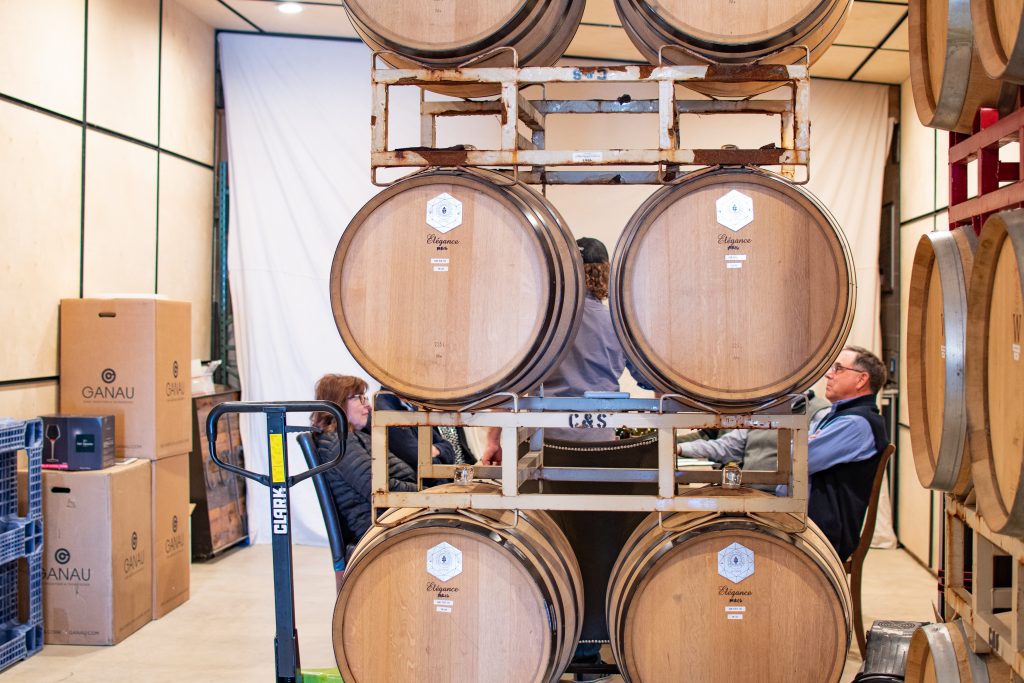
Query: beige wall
x: 107, y: 112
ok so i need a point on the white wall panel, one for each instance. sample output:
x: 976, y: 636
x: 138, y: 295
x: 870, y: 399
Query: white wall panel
x: 185, y: 242
x: 42, y: 52
x: 914, y: 504
x: 917, y: 160
x: 119, y: 252
x: 40, y: 235
x: 186, y: 84
x: 123, y: 66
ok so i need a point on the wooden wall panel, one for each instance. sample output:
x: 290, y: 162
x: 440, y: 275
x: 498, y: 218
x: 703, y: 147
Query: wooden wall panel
x: 185, y: 251
x: 123, y: 66
x: 914, y: 504
x: 42, y: 53
x: 119, y: 251
x: 186, y: 84
x: 41, y: 235
x: 29, y: 400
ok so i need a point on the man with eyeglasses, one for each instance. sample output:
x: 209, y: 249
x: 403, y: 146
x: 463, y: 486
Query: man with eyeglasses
x: 844, y: 448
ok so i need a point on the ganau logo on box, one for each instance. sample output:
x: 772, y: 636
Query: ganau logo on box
x: 175, y: 389
x: 136, y: 559
x: 108, y: 391
x: 175, y: 542
x: 65, y: 574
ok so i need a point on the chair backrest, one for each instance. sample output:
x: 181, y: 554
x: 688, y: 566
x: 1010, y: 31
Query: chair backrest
x: 868, y: 530
x: 337, y: 535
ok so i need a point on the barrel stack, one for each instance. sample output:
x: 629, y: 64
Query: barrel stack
x: 455, y: 284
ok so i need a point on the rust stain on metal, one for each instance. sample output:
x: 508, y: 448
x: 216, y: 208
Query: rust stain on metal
x: 758, y: 157
x: 734, y: 73
x: 646, y: 70
x: 433, y: 157
x: 373, y: 120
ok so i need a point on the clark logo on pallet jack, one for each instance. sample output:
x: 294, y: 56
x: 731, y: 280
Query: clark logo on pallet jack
x: 279, y: 509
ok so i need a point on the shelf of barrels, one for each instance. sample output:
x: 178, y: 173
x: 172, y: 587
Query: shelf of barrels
x: 964, y: 326
x: 459, y: 287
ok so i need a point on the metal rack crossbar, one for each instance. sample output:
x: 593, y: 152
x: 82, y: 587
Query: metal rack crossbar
x: 522, y: 140
x: 522, y: 416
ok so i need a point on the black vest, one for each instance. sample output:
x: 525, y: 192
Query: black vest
x: 839, y: 495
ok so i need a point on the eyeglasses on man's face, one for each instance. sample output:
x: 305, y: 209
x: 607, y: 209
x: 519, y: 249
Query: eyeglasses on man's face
x: 361, y: 398
x: 838, y: 367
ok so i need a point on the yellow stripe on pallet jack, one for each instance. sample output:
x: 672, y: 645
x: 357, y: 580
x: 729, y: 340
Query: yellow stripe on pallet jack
x: 277, y: 458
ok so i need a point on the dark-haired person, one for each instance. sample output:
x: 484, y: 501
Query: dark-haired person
x: 596, y: 360
x: 844, y: 450
x: 350, y: 480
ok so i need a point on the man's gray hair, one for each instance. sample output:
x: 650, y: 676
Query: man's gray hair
x: 871, y: 364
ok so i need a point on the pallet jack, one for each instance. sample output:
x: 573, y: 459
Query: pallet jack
x: 286, y: 638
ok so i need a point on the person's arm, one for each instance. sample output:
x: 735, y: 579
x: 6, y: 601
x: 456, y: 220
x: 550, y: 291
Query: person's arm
x: 492, y: 451
x: 725, y: 449
x: 442, y: 452
x: 848, y: 438
x: 355, y: 470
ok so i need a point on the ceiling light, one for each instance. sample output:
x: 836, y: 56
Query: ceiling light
x: 289, y: 8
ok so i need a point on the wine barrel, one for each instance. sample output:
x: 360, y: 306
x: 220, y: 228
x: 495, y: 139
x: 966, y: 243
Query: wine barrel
x: 447, y: 33
x: 946, y: 75
x: 734, y: 32
x: 487, y: 301
x: 939, y: 653
x: 999, y: 34
x: 442, y: 595
x: 886, y: 658
x: 995, y: 372
x: 733, y: 287
x: 738, y: 598
x: 936, y: 340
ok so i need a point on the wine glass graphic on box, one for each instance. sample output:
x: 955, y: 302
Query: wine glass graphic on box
x: 52, y: 435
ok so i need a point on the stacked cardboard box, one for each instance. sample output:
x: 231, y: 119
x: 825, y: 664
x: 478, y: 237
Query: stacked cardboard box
x: 128, y: 357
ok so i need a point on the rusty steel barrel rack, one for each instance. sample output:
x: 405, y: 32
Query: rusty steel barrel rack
x: 529, y: 160
x: 664, y: 414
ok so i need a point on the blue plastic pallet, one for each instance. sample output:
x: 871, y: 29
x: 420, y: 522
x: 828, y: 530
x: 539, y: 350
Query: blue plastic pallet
x: 19, y: 642
x: 18, y: 435
x: 21, y: 625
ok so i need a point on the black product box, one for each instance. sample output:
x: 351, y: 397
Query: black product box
x: 78, y: 442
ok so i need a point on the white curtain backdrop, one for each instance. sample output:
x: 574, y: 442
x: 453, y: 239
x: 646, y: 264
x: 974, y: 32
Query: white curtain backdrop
x: 298, y: 113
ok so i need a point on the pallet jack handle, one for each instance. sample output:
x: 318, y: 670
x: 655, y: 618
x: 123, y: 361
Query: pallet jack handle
x: 286, y: 638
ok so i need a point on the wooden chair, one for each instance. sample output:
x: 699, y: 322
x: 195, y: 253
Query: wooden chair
x: 338, y: 533
x: 855, y: 564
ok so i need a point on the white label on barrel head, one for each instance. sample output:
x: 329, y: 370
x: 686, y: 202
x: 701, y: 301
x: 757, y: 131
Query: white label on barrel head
x: 735, y: 257
x: 587, y: 157
x: 440, y: 269
x: 439, y: 260
x: 735, y: 562
x: 732, y: 265
x: 444, y: 561
x: 735, y: 210
x: 1016, y: 351
x: 449, y: 603
x: 735, y: 608
x: 444, y: 212
x: 446, y: 610
x: 732, y: 617
x: 942, y: 350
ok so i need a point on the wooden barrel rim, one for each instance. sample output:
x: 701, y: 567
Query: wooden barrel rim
x: 946, y: 467
x: 945, y: 107
x: 1001, y: 231
x: 559, y: 294
x: 827, y: 348
x: 998, y: 64
x: 649, y: 548
x: 783, y: 38
x: 513, y: 23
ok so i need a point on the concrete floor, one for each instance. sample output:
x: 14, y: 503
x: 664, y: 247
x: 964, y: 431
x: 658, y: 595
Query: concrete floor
x: 225, y: 632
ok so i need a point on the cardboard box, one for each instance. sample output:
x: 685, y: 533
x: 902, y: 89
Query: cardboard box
x: 98, y: 557
x: 78, y: 442
x: 171, y: 553
x: 129, y: 357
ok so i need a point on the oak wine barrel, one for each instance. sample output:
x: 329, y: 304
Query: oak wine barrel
x: 443, y: 34
x: 946, y: 75
x: 452, y: 285
x: 995, y: 372
x: 729, y: 598
x: 733, y: 32
x: 733, y: 287
x: 939, y: 653
x: 999, y: 34
x: 936, y: 341
x: 443, y: 595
